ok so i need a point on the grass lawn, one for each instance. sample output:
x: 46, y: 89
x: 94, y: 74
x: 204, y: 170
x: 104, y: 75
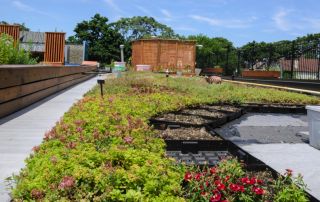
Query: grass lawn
x: 104, y: 149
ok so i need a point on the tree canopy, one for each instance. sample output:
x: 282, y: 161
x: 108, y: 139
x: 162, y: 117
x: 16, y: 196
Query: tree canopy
x: 102, y: 38
x: 139, y: 27
x: 214, y: 51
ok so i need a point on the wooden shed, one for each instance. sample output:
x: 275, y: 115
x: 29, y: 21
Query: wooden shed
x: 162, y: 54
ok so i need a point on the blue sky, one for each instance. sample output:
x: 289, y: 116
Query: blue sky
x: 240, y: 21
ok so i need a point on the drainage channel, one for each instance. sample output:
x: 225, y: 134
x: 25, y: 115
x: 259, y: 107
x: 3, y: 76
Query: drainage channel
x: 191, y: 138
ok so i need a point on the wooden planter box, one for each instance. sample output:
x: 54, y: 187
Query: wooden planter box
x: 188, y: 74
x: 261, y: 74
x: 213, y: 70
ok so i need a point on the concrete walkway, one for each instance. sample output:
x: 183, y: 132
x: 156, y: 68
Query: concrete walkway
x: 24, y: 129
x: 280, y: 141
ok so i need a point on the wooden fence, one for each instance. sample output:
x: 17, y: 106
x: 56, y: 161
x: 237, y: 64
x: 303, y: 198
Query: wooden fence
x: 162, y: 54
x: 54, y: 48
x: 12, y: 30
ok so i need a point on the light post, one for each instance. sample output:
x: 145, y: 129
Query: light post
x: 121, y: 49
x: 200, y: 47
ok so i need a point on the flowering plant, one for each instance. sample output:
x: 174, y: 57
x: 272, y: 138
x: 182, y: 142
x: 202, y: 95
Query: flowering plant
x: 228, y: 182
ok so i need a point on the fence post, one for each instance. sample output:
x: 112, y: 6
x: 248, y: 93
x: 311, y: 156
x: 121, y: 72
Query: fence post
x: 318, y: 55
x: 292, y: 58
x: 227, y: 64
x: 238, y: 65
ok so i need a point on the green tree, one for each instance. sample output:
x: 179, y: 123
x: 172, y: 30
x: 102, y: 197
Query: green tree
x: 102, y: 38
x: 214, y: 51
x: 139, y: 27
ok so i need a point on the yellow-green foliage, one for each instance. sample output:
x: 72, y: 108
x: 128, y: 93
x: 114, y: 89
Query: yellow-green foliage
x: 104, y: 150
x: 11, y: 54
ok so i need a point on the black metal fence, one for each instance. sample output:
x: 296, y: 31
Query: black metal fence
x: 293, y: 59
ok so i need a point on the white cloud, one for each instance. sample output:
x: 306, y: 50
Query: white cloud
x: 293, y: 22
x: 113, y: 5
x: 21, y: 6
x: 280, y: 20
x: 229, y: 23
x: 166, y: 13
x: 144, y: 10
x: 26, y: 8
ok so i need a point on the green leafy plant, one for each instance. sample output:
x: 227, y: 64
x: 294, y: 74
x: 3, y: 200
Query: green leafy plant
x: 11, y: 54
x: 229, y: 182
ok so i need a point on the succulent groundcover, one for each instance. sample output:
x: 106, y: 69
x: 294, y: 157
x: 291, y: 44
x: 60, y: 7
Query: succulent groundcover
x: 103, y: 149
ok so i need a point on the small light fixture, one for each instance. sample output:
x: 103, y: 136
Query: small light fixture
x: 167, y: 73
x: 101, y: 82
x: 122, y: 55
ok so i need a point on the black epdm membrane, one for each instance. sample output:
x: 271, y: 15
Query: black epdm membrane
x: 181, y: 131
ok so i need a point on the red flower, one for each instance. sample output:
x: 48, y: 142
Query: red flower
x: 225, y: 200
x: 207, y: 184
x: 253, y: 180
x: 241, y: 188
x: 227, y: 178
x: 259, y: 181
x: 204, y: 193
x: 219, y: 185
x: 212, y: 170
x: 187, y: 177
x: 236, y: 188
x: 197, y: 176
x: 258, y: 190
x: 216, y: 196
x: 245, y: 180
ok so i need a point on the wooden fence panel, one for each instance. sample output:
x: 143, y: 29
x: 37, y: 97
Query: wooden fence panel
x: 54, y: 48
x: 12, y: 30
x: 163, y: 54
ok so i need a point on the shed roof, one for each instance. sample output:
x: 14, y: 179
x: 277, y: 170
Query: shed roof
x: 160, y: 39
x: 33, y: 37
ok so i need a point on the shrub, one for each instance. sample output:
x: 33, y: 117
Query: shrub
x: 11, y: 54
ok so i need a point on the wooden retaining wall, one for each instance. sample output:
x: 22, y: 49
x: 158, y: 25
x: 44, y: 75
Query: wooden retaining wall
x: 162, y: 54
x: 23, y: 85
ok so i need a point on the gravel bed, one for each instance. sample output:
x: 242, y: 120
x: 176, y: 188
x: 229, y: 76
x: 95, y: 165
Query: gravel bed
x: 187, y: 134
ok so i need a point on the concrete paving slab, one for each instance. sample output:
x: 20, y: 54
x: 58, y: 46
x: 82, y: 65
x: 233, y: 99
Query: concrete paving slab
x: 267, y: 128
x: 280, y: 141
x: 301, y: 158
x: 24, y: 129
